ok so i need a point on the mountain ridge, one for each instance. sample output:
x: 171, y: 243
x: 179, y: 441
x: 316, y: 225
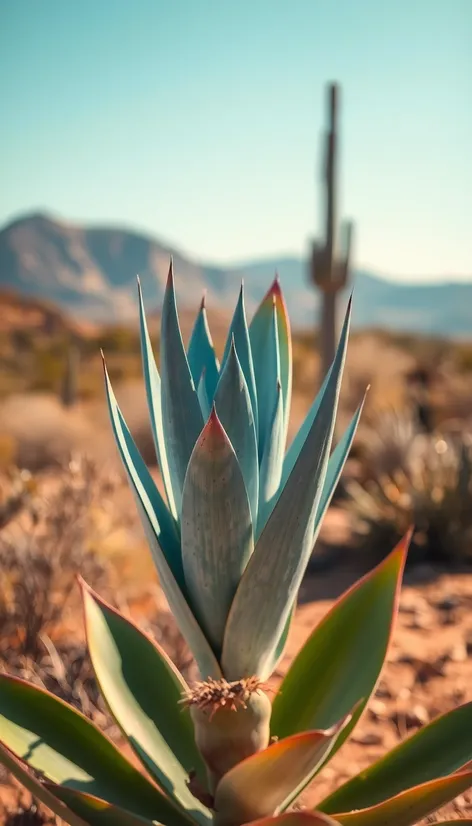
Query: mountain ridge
x: 90, y: 273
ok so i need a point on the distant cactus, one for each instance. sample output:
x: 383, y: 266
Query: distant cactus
x: 69, y: 385
x: 330, y: 261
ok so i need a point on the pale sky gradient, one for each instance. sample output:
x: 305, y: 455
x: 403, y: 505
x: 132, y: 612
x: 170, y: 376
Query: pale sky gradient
x: 199, y: 121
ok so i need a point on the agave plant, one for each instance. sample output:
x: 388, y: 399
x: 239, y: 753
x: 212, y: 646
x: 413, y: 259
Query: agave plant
x: 231, y: 540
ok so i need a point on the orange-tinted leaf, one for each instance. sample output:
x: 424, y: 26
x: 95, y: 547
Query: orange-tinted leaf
x: 298, y: 819
x: 268, y: 781
x: 409, y: 807
x: 96, y: 811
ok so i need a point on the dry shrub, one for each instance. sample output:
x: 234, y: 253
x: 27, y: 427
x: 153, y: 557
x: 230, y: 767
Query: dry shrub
x: 15, y: 493
x: 419, y: 479
x: 65, y: 670
x: 41, y: 555
x: 45, y: 434
x: 372, y: 360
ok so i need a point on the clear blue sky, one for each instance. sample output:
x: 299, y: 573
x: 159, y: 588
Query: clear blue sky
x: 200, y: 120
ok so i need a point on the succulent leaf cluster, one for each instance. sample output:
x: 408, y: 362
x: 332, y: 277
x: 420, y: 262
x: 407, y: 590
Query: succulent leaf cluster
x: 231, y: 538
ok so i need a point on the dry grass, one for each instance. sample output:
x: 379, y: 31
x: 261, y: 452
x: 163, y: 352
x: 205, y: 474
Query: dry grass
x: 42, y: 553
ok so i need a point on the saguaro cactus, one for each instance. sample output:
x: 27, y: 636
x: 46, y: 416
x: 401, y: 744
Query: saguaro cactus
x: 330, y: 261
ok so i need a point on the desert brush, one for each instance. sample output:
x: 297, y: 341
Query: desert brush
x: 231, y: 540
x: 416, y: 478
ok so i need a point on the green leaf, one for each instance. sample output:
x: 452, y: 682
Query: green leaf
x: 267, y: 379
x: 201, y: 354
x: 37, y: 789
x: 258, y: 333
x: 217, y: 535
x: 181, y: 415
x: 297, y: 819
x: 233, y: 405
x: 238, y: 332
x: 269, y: 585
x: 279, y: 650
x: 55, y: 739
x: 96, y: 811
x: 144, y: 488
x: 269, y: 780
x: 336, y: 460
x: 302, y: 818
x: 202, y: 394
x: 339, y: 665
x: 285, y: 349
x: 152, y: 381
x: 148, y: 711
x: 165, y: 547
x: 437, y: 750
x: 410, y: 806
x: 272, y: 461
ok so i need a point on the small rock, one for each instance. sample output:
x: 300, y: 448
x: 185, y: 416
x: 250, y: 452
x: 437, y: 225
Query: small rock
x: 458, y: 654
x: 370, y: 738
x: 419, y: 622
x: 408, y: 607
x: 458, y: 695
x: 383, y: 690
x: 404, y: 693
x: 415, y: 717
x: 377, y: 708
x: 448, y: 603
x: 420, y: 714
x: 406, y: 659
x: 423, y: 572
x: 426, y: 671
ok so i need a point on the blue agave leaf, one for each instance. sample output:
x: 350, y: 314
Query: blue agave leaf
x: 258, y: 334
x: 268, y: 587
x: 161, y: 534
x: 278, y: 651
x: 205, y: 404
x: 235, y: 413
x: 272, y: 461
x: 181, y: 414
x: 239, y: 332
x: 152, y: 382
x: 201, y: 354
x: 217, y: 535
x: 267, y: 362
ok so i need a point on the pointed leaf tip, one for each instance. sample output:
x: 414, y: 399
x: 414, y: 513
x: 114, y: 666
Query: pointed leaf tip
x: 213, y: 429
x: 170, y: 274
x: 276, y: 289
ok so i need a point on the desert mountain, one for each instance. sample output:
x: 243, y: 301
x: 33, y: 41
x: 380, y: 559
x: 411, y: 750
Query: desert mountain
x: 90, y: 273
